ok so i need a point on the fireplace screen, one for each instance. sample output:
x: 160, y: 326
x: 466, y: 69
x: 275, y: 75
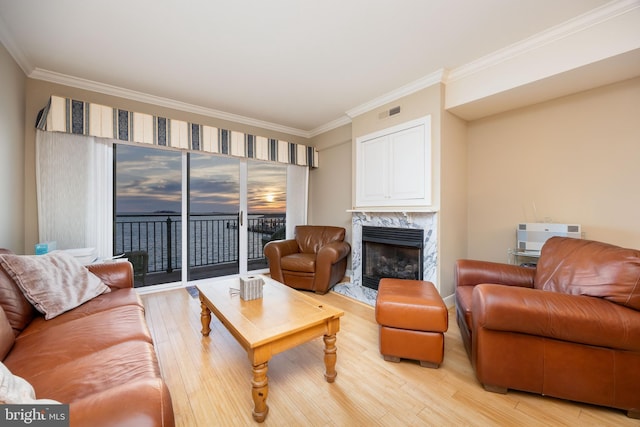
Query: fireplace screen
x: 391, y: 252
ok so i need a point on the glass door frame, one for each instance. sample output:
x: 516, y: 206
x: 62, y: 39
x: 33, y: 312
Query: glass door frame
x: 243, y: 233
x: 243, y: 246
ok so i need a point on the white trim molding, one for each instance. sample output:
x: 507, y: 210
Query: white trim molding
x: 334, y: 124
x: 552, y: 35
x: 612, y: 30
x: 550, y: 64
x: 63, y: 79
x: 415, y: 86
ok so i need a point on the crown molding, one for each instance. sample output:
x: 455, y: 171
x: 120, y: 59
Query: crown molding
x: 341, y: 121
x: 64, y: 79
x: 422, y: 83
x: 549, y: 36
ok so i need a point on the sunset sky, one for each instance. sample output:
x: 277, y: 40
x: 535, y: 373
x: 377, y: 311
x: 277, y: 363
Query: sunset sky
x: 149, y: 180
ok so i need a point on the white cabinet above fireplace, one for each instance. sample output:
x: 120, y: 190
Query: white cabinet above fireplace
x: 393, y: 166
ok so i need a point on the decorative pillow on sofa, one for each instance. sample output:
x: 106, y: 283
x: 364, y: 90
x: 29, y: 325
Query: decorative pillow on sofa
x: 53, y: 283
x: 17, y: 390
x: 585, y: 267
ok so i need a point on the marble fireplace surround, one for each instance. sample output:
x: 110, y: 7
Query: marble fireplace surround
x: 426, y: 221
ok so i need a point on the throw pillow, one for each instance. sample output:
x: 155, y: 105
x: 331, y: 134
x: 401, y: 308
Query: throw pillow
x: 53, y: 283
x: 17, y: 390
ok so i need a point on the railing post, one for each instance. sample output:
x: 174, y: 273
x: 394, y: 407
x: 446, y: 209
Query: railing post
x: 169, y: 250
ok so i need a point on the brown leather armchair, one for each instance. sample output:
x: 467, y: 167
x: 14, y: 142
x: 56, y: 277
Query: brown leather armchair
x: 315, y: 260
x: 569, y: 328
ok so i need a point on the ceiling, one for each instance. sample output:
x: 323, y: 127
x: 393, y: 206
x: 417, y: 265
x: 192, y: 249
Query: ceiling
x: 296, y: 64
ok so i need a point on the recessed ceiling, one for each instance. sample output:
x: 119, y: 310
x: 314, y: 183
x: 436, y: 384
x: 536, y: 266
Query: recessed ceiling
x: 298, y: 64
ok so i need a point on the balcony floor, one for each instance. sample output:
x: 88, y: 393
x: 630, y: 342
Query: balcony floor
x: 197, y: 273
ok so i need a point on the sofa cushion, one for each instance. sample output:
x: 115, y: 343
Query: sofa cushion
x: 44, y: 350
x: 585, y: 267
x: 111, y: 300
x: 299, y: 262
x: 110, y: 367
x: 53, y: 283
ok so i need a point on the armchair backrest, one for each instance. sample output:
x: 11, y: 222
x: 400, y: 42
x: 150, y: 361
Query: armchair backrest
x: 311, y: 238
x: 585, y: 267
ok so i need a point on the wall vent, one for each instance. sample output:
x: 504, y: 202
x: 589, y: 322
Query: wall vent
x: 391, y: 112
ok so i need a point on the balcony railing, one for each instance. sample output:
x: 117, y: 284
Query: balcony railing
x: 213, y: 239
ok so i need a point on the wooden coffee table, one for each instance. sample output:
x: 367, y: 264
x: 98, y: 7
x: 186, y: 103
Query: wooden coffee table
x: 282, y: 319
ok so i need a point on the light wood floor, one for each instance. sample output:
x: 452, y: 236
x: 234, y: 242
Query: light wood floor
x: 210, y: 379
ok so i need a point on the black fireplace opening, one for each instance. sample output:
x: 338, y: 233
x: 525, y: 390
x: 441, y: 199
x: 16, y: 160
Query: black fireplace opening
x: 391, y: 252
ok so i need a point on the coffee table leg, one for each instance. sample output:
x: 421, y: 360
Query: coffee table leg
x: 330, y: 357
x: 205, y: 319
x: 260, y: 390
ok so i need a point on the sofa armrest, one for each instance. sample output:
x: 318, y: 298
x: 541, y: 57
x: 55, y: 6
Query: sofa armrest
x: 331, y: 253
x: 141, y: 403
x: 116, y: 275
x: 572, y: 318
x: 471, y: 272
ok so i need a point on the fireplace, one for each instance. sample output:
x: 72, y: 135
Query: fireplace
x: 391, y: 252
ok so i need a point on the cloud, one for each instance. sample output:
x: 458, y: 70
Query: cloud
x: 150, y: 179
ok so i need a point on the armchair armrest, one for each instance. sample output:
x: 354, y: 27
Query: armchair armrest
x: 331, y: 264
x: 572, y: 318
x: 471, y: 272
x: 332, y: 252
x: 116, y: 275
x: 276, y: 249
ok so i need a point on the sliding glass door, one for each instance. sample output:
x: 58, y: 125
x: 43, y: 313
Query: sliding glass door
x: 266, y: 208
x: 147, y: 220
x: 214, y: 216
x: 210, y: 213
x: 235, y: 207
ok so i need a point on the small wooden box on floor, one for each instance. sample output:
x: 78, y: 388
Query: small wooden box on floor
x: 413, y: 319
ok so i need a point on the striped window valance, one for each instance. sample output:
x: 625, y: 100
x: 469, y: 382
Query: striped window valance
x: 84, y: 118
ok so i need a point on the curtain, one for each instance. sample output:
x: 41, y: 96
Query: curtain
x: 297, y: 186
x: 74, y: 180
x: 84, y: 118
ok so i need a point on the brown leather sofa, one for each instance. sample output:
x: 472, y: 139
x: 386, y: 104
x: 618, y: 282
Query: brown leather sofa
x: 315, y: 260
x: 99, y: 357
x: 569, y: 328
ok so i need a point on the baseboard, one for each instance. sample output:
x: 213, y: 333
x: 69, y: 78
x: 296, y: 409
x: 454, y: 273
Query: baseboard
x: 450, y: 301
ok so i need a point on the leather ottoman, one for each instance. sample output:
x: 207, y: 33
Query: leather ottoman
x: 413, y: 319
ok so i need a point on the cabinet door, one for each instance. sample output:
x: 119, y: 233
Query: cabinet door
x: 373, y: 175
x: 407, y: 180
x: 393, y: 166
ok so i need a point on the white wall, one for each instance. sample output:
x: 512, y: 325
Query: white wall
x: 12, y: 123
x: 576, y: 159
x: 330, y: 184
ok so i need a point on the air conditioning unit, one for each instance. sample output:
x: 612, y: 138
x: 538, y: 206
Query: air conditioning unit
x: 531, y: 236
